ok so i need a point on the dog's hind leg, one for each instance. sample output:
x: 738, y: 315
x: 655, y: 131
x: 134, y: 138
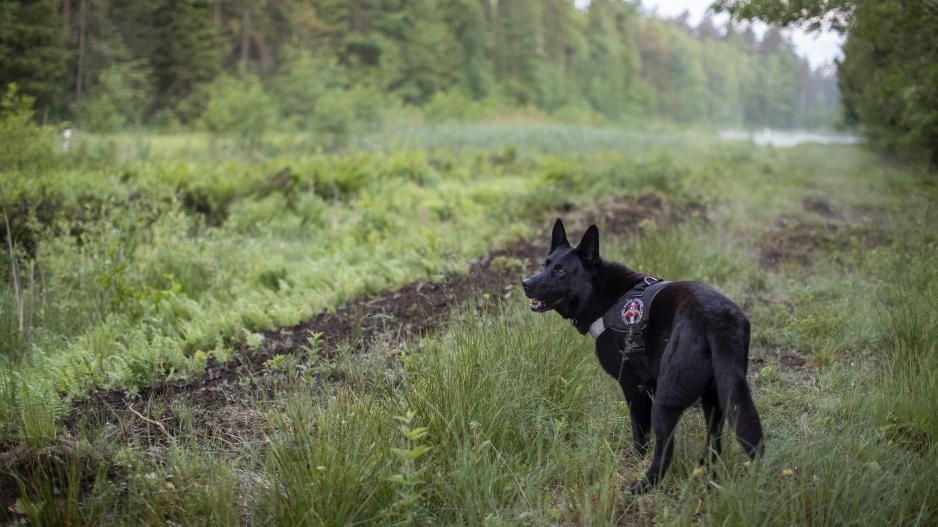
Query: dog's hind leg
x: 744, y: 417
x: 714, y: 418
x: 680, y: 385
x: 729, y: 361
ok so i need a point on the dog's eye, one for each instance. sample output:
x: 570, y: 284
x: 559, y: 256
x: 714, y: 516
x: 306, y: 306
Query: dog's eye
x: 559, y: 269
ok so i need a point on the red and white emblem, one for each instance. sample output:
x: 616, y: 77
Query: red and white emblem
x: 632, y: 312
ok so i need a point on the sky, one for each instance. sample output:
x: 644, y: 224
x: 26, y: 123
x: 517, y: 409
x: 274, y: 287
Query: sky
x: 820, y: 48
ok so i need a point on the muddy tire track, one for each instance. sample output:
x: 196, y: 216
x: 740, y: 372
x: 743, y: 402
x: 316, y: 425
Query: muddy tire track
x: 828, y: 228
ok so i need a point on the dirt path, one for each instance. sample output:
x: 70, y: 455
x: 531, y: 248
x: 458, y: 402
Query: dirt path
x: 225, y: 408
x: 827, y: 227
x: 410, y: 310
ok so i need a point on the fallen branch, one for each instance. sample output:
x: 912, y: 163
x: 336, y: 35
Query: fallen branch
x: 151, y: 421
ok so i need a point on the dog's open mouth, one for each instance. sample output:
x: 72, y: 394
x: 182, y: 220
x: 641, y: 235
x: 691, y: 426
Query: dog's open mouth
x: 538, y: 305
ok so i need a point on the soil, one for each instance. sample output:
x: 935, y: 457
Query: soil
x: 411, y: 310
x: 828, y: 228
x: 222, y: 406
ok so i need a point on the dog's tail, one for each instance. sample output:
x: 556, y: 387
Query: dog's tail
x: 730, y: 357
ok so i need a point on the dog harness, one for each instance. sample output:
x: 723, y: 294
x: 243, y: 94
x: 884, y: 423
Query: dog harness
x: 629, y: 315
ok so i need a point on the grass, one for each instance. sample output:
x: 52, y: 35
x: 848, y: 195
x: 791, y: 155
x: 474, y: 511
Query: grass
x: 502, y: 417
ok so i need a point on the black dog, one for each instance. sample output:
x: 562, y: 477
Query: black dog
x: 692, y: 343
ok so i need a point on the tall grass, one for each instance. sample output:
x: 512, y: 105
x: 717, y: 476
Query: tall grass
x: 503, y: 416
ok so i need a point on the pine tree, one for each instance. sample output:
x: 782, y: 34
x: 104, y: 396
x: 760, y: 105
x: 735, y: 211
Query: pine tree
x: 32, y: 54
x: 188, y: 54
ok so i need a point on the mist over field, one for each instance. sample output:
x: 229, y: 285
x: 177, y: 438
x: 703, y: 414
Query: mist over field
x: 261, y: 259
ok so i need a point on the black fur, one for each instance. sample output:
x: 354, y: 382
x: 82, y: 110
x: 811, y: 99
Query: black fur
x: 697, y: 348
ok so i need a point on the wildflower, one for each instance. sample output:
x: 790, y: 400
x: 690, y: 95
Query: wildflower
x: 788, y: 472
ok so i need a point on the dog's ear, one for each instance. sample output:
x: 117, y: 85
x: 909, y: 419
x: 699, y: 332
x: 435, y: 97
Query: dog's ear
x: 559, y: 237
x: 588, y: 248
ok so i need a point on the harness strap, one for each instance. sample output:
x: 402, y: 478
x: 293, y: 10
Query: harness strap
x: 630, y: 315
x: 597, y: 328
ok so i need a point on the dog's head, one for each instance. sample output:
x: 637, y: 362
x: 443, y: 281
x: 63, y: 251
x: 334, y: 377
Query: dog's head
x: 565, y: 279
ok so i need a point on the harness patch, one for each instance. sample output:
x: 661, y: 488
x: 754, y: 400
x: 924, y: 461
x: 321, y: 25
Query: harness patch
x: 632, y: 312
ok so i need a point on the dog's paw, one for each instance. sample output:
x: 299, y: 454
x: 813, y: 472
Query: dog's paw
x: 640, y: 487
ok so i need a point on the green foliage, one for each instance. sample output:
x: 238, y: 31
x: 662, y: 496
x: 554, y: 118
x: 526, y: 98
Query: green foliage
x: 409, y: 480
x: 184, y: 47
x: 889, y: 77
x: 121, y: 99
x: 816, y: 13
x: 304, y: 81
x: 331, y: 466
x: 24, y: 145
x: 338, y: 111
x: 31, y: 51
x: 239, y: 108
x: 504, y: 416
x: 451, y: 105
x: 121, y: 64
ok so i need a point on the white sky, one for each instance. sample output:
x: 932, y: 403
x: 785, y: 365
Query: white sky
x: 820, y: 48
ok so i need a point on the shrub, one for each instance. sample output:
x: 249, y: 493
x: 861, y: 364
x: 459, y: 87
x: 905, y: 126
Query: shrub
x: 338, y: 112
x: 239, y: 108
x: 451, y: 105
x: 23, y: 143
x: 302, y: 84
x: 123, y: 94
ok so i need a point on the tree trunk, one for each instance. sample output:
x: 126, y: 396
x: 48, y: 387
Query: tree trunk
x: 245, y: 36
x: 493, y: 6
x: 66, y: 19
x: 266, y: 56
x: 358, y: 19
x: 216, y: 11
x: 82, y: 22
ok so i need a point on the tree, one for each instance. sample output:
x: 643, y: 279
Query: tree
x: 889, y: 74
x: 815, y: 13
x: 239, y: 108
x: 612, y: 71
x: 517, y: 48
x: 188, y: 54
x: 31, y: 50
x: 121, y: 97
x: 466, y: 21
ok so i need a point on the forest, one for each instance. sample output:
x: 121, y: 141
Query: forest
x: 247, y: 66
x: 260, y: 260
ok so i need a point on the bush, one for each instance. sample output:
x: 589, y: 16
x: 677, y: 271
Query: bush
x: 123, y: 94
x: 579, y: 114
x: 302, y: 84
x: 889, y: 79
x: 451, y: 105
x: 338, y: 112
x: 23, y: 143
x: 239, y: 108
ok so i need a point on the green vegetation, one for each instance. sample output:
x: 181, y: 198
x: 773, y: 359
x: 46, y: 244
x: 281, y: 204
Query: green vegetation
x: 330, y: 67
x: 219, y: 177
x: 889, y: 74
x: 153, y: 266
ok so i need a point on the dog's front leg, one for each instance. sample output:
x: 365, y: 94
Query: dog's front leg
x: 640, y: 404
